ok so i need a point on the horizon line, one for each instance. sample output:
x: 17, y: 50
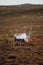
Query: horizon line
x: 20, y: 4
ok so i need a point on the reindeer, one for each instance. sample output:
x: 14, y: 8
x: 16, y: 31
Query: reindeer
x: 23, y: 37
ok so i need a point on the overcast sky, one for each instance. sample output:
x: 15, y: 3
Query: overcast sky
x: 17, y: 2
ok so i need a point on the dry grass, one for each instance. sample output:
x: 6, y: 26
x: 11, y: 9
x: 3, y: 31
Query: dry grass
x: 19, y: 19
